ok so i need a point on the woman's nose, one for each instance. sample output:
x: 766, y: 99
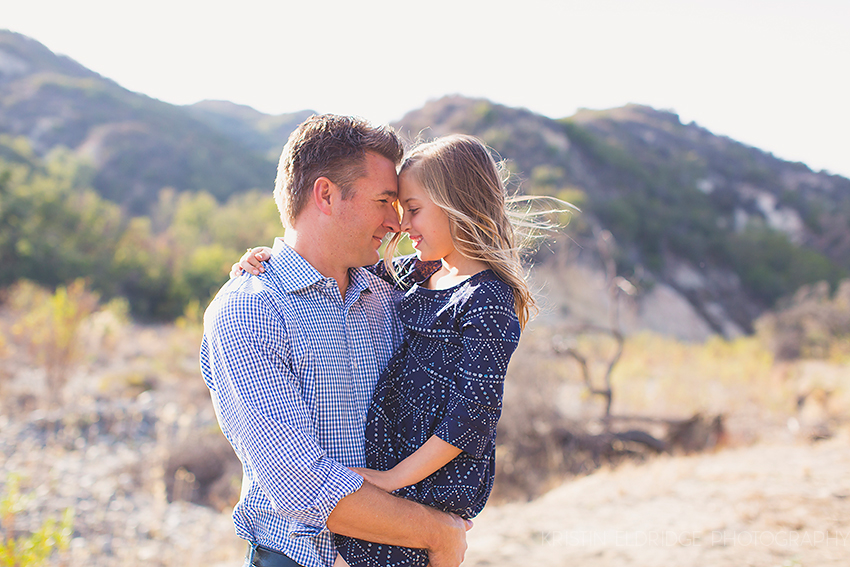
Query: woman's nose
x: 404, y: 225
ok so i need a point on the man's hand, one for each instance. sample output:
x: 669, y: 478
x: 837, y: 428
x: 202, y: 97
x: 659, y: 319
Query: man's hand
x: 373, y: 515
x: 449, y: 545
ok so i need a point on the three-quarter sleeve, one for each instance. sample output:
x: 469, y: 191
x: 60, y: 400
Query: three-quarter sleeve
x: 489, y: 335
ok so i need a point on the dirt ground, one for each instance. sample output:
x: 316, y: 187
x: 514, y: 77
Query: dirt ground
x: 766, y: 505
x: 777, y: 499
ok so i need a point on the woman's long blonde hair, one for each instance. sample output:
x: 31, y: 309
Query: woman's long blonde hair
x: 462, y: 178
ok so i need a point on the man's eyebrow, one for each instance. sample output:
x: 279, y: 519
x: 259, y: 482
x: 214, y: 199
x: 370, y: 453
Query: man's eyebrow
x: 390, y: 193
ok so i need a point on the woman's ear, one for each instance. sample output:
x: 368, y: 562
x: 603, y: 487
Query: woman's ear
x: 325, y: 194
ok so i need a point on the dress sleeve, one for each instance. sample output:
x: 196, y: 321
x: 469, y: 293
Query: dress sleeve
x: 489, y: 334
x: 409, y: 269
x: 262, y: 413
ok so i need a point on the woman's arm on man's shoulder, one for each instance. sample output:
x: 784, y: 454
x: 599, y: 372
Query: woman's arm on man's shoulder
x: 251, y: 261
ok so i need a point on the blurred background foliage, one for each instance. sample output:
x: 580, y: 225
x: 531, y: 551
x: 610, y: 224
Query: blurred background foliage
x: 30, y: 549
x: 55, y: 229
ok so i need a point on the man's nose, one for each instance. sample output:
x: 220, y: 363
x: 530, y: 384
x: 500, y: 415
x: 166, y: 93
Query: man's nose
x: 391, y: 221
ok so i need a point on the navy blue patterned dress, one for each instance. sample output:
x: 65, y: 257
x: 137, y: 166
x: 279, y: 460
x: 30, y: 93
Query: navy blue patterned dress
x: 447, y: 380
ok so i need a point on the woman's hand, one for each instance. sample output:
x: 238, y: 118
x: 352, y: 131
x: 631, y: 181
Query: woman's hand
x: 385, y: 480
x: 251, y: 261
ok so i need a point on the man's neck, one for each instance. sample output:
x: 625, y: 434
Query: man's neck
x: 315, y: 251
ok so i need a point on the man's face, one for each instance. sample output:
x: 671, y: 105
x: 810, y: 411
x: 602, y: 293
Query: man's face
x: 369, y: 212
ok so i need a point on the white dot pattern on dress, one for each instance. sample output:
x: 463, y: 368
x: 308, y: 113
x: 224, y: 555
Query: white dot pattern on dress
x: 446, y: 379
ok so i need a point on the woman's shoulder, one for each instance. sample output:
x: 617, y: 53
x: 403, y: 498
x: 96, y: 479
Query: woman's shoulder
x: 412, y: 270
x: 488, y: 284
x: 409, y: 270
x: 488, y: 293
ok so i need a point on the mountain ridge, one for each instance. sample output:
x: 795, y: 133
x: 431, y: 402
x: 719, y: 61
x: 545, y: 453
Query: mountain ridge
x: 726, y: 226
x: 265, y: 133
x: 723, y: 227
x: 138, y: 145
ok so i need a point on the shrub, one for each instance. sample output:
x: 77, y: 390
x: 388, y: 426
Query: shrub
x: 29, y: 549
x: 771, y: 266
x: 48, y: 324
x: 811, y: 324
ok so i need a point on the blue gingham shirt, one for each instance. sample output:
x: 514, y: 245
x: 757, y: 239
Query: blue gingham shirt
x: 291, y: 368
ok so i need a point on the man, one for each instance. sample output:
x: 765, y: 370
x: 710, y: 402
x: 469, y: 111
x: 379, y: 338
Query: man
x: 291, y: 358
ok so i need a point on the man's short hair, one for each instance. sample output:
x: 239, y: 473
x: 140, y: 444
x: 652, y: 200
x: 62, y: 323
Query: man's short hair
x: 329, y: 146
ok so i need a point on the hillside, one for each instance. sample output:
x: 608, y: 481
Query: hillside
x: 722, y: 227
x: 708, y: 232
x: 136, y: 144
x: 257, y: 131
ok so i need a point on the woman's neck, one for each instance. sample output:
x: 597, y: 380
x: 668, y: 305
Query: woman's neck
x: 455, y: 269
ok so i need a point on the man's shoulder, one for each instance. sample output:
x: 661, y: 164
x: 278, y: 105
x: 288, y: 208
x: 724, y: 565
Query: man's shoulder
x: 243, y: 299
x: 248, y: 287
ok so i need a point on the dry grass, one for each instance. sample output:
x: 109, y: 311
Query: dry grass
x: 551, y: 427
x: 762, y: 506
x: 116, y: 450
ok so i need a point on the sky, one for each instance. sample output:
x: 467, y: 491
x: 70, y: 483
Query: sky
x: 774, y: 74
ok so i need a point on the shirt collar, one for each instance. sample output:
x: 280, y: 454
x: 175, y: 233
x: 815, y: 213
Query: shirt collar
x: 358, y: 281
x: 294, y: 273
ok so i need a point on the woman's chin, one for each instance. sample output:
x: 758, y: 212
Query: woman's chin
x: 425, y: 257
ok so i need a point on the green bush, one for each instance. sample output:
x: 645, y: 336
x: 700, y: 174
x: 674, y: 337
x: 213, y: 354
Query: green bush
x: 771, y: 266
x: 29, y: 549
x: 48, y: 324
x: 54, y: 229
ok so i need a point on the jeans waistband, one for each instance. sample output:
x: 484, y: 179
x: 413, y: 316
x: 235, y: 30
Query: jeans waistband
x: 258, y: 556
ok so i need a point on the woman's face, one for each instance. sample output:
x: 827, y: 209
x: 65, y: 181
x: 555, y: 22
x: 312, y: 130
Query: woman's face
x: 426, y: 224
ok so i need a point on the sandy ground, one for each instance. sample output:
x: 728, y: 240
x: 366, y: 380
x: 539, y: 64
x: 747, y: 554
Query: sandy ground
x: 765, y: 505
x: 774, y: 503
x: 770, y: 504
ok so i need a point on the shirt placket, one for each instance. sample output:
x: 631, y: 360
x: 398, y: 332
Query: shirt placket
x: 351, y: 355
x: 361, y: 353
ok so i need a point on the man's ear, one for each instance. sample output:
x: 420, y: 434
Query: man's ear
x: 325, y: 194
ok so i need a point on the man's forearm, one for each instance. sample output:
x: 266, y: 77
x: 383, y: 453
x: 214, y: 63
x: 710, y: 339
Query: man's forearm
x: 374, y: 515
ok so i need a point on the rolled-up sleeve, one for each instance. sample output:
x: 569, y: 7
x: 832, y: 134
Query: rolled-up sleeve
x: 261, y: 410
x: 489, y: 334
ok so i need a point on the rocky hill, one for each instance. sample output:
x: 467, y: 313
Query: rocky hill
x: 259, y: 132
x: 136, y: 144
x: 701, y: 219
x: 707, y: 232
